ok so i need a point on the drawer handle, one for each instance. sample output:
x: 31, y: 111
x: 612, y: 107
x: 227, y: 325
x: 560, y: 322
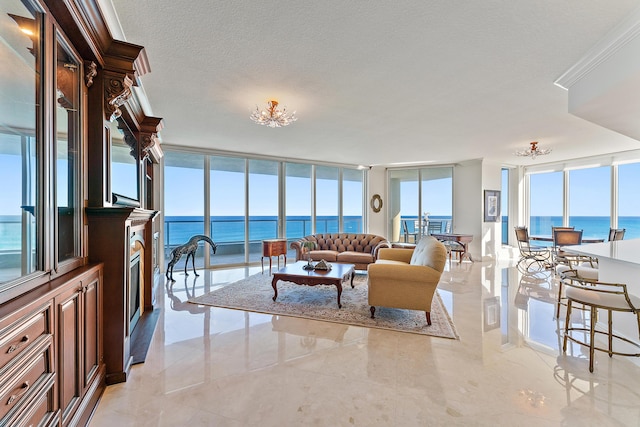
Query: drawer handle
x: 24, y: 387
x: 22, y: 343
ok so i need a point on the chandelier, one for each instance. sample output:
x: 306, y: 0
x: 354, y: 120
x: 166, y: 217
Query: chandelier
x: 533, y: 151
x: 273, y: 116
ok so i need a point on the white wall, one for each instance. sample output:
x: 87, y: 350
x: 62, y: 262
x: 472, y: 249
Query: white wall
x: 377, y: 185
x: 467, y: 203
x: 491, y: 231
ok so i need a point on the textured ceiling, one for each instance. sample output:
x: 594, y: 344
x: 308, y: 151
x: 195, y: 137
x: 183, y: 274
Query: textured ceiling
x: 384, y: 82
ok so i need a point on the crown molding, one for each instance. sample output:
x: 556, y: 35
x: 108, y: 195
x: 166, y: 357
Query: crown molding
x: 609, y: 45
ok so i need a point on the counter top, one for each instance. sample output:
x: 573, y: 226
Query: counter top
x: 620, y: 250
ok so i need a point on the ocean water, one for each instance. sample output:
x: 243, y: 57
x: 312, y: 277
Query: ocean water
x: 228, y: 229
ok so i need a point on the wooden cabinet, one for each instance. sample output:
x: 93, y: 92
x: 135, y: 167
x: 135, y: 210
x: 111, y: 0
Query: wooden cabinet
x: 273, y: 247
x: 78, y: 329
x: 27, y: 372
x: 51, y: 364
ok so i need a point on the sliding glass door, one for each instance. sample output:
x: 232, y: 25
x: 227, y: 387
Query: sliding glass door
x: 327, y: 211
x: 227, y: 208
x: 263, y: 205
x: 183, y: 202
x: 352, y: 196
x: 420, y: 202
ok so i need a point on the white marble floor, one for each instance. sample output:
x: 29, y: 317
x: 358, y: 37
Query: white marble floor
x: 210, y: 366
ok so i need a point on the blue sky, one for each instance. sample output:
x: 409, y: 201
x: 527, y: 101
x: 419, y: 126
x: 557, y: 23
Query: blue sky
x: 184, y: 196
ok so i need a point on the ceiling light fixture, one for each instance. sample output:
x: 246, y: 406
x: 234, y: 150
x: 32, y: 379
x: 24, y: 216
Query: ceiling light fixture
x: 533, y: 151
x: 273, y: 116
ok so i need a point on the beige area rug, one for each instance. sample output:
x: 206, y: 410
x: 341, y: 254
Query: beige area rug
x: 320, y: 303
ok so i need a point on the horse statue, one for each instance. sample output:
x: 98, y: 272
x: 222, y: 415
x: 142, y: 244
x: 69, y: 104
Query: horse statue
x: 188, y: 248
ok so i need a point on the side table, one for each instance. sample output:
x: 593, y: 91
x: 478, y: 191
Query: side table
x: 273, y: 247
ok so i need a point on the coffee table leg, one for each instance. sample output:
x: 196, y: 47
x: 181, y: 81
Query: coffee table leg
x: 275, y: 289
x: 339, y: 286
x: 353, y: 274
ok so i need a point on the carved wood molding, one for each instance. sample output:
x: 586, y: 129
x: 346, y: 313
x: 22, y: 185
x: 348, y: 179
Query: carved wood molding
x: 92, y: 71
x: 117, y: 92
x: 148, y: 141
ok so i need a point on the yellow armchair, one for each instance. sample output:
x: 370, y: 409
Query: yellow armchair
x: 407, y: 278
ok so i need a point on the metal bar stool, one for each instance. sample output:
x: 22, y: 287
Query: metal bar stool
x: 594, y: 294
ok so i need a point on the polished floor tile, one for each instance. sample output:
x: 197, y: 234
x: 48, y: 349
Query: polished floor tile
x: 209, y: 366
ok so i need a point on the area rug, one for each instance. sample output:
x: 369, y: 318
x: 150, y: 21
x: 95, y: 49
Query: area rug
x: 320, y: 303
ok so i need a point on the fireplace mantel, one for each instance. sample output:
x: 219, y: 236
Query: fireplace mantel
x: 110, y: 231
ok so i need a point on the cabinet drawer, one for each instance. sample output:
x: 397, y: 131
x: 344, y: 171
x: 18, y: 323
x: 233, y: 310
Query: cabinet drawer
x: 40, y: 411
x: 19, y: 382
x: 21, y: 335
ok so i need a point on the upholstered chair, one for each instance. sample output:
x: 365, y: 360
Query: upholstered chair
x: 407, y: 277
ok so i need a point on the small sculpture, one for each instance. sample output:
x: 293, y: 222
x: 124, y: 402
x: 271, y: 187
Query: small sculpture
x: 188, y: 248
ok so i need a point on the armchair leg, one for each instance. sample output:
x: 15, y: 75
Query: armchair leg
x: 373, y: 312
x: 428, y: 317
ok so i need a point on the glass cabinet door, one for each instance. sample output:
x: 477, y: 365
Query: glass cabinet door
x: 20, y: 113
x: 67, y: 151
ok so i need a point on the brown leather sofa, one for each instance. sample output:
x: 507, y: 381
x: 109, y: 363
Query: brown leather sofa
x: 358, y: 249
x: 407, y: 277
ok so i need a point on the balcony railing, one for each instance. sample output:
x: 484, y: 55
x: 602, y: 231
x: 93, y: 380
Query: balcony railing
x: 228, y: 234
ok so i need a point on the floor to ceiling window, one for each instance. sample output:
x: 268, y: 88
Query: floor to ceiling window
x: 327, y: 200
x: 420, y: 202
x: 589, y: 203
x: 628, y: 199
x: 249, y: 201
x: 352, y: 196
x: 590, y: 200
x: 227, y: 208
x: 545, y: 202
x: 183, y: 201
x: 404, y: 205
x: 263, y: 204
x: 298, y: 209
x: 436, y: 200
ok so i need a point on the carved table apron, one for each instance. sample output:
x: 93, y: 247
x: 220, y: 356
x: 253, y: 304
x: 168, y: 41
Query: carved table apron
x: 295, y: 273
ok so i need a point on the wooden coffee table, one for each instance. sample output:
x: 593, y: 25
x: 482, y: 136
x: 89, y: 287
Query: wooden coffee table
x: 296, y: 274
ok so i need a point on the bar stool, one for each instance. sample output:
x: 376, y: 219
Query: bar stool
x: 593, y: 295
x: 583, y: 266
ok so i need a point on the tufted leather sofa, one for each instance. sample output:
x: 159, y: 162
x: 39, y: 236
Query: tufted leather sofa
x: 358, y: 249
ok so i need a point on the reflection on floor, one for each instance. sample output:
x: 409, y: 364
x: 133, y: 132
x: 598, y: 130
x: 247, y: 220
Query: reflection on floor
x: 211, y: 366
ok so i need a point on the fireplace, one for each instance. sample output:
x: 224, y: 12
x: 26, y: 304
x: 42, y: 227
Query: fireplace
x: 122, y: 238
x: 136, y: 279
x: 134, y: 292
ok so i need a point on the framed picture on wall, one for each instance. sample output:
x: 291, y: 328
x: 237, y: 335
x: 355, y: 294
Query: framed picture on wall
x: 491, y: 205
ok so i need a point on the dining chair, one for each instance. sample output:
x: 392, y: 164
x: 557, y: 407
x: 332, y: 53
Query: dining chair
x: 553, y: 239
x: 434, y: 227
x: 616, y: 234
x: 407, y: 234
x: 563, y: 237
x: 594, y: 295
x: 534, y: 258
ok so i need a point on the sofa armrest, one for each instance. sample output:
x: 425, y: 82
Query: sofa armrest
x: 297, y: 245
x: 396, y: 254
x: 380, y: 245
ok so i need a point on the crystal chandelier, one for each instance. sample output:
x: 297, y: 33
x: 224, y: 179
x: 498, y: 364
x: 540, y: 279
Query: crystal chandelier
x: 533, y: 151
x: 273, y: 116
